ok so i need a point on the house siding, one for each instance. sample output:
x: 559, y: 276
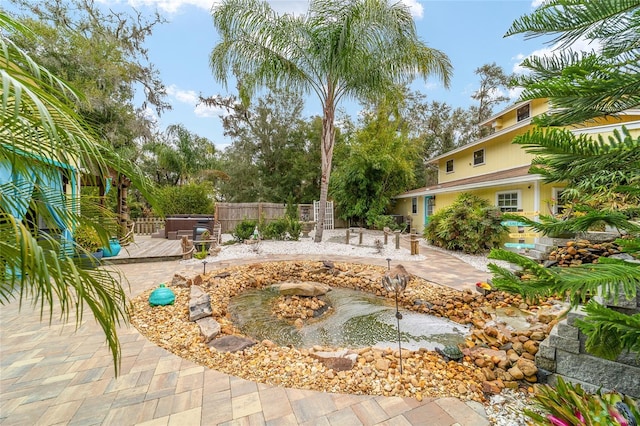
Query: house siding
x: 504, y: 167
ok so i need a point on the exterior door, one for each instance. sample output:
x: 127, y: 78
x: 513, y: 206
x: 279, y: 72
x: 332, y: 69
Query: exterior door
x: 429, y: 204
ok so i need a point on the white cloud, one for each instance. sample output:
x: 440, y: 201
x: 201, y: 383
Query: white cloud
x: 580, y: 45
x: 191, y: 98
x: 536, y: 3
x: 415, y: 7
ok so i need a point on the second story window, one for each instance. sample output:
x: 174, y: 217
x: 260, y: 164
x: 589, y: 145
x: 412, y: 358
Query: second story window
x: 478, y: 157
x: 449, y: 166
x: 523, y: 112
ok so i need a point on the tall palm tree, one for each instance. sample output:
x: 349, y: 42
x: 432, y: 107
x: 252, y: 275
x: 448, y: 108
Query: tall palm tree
x: 42, y: 138
x: 356, y: 49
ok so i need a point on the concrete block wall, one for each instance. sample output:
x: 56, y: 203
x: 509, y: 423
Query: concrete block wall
x: 563, y: 353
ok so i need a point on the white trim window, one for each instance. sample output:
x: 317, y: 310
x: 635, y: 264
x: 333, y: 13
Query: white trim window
x: 558, y: 205
x: 414, y: 205
x: 509, y: 201
x: 523, y: 112
x: 449, y: 166
x: 478, y: 157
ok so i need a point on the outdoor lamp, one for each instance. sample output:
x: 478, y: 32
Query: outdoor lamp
x: 396, y: 282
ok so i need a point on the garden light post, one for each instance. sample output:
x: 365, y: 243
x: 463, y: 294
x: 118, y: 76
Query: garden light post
x: 395, y: 282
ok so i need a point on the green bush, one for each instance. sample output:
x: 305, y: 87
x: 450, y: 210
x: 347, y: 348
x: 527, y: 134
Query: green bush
x: 186, y: 199
x: 88, y: 238
x: 385, y: 221
x: 275, y: 230
x: 244, y: 230
x: 470, y: 225
x: 294, y: 228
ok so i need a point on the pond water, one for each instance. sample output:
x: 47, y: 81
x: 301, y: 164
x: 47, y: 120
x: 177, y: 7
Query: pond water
x: 358, y: 319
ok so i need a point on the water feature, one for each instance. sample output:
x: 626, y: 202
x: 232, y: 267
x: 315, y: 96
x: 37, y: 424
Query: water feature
x: 357, y: 319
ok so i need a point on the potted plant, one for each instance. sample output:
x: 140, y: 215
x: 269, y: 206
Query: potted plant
x: 87, y: 238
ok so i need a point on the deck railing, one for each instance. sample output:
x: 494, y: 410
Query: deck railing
x: 148, y: 225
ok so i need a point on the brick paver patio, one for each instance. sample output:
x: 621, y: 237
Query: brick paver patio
x: 57, y: 375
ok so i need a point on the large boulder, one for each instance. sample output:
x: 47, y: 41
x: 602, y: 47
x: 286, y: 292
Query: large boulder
x: 303, y: 288
x: 209, y: 328
x: 231, y: 344
x: 199, y: 304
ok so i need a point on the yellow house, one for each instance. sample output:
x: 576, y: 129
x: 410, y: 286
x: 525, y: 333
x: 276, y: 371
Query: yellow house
x: 494, y: 168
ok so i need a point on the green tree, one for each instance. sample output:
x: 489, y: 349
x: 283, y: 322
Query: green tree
x: 273, y: 155
x: 357, y: 49
x: 605, y: 171
x: 40, y: 129
x: 102, y: 54
x: 493, y: 81
x: 179, y: 157
x: 372, y: 167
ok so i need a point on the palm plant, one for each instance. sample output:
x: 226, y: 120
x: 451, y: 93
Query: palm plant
x: 41, y: 138
x: 602, y: 176
x: 355, y: 48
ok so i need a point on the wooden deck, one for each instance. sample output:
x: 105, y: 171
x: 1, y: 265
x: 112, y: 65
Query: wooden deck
x: 147, y: 249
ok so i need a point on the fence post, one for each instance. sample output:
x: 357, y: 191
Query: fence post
x: 348, y: 236
x: 360, y: 236
x: 415, y: 246
x: 397, y: 240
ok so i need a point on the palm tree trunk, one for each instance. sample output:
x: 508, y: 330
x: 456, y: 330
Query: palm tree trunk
x: 328, y: 139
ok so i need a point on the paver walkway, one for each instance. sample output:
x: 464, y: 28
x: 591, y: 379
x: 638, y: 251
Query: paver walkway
x: 56, y: 375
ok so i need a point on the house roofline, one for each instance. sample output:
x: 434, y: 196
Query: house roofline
x: 516, y: 126
x: 631, y: 125
x: 480, y: 185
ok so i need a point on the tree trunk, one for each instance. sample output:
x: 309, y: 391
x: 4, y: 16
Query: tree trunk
x: 328, y: 139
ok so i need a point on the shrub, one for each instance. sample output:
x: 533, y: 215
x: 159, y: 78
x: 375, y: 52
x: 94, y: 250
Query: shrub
x: 294, y: 229
x: 470, y: 225
x: 244, y: 230
x: 186, y: 199
x: 88, y: 238
x: 276, y: 230
x: 382, y: 221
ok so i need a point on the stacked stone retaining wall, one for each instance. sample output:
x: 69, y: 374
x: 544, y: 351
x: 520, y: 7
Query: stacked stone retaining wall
x: 563, y: 353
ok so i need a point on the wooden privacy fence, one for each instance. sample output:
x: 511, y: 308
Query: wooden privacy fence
x: 148, y: 225
x: 231, y: 214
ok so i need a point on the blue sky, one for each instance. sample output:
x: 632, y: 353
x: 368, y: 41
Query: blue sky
x: 470, y: 32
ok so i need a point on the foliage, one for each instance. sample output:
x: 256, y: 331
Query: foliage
x: 291, y: 210
x: 385, y: 221
x: 275, y: 153
x: 373, y: 166
x: 41, y: 128
x: 493, y: 81
x: 102, y: 53
x: 568, y: 404
x: 336, y: 50
x: 294, y: 228
x: 87, y: 238
x: 584, y: 85
x: 470, y: 225
x: 244, y: 230
x: 602, y: 175
x: 179, y: 157
x: 275, y: 229
x: 202, y: 253
x: 187, y: 199
x: 611, y: 165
